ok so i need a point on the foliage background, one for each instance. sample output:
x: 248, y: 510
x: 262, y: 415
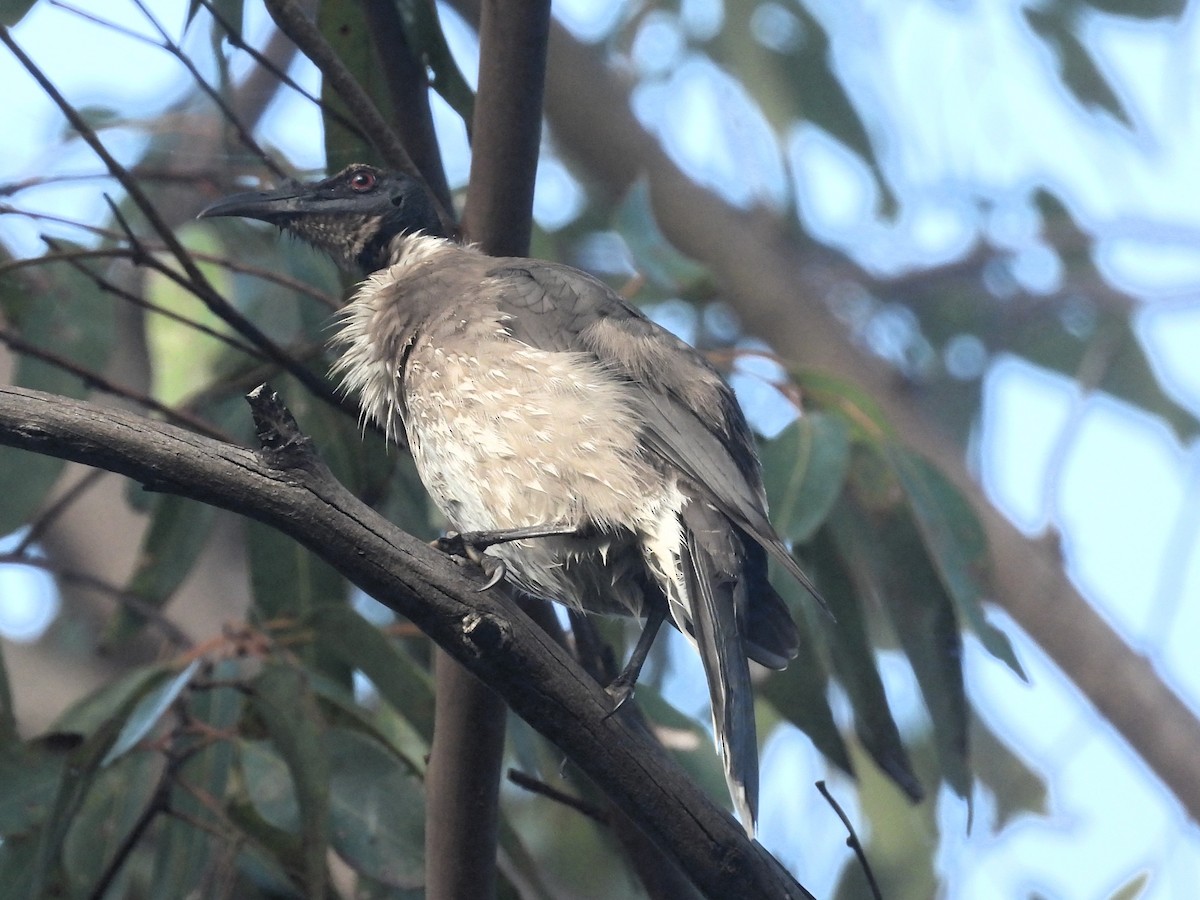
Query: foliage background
x: 988, y: 201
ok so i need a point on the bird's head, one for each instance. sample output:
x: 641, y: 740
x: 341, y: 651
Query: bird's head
x: 354, y: 215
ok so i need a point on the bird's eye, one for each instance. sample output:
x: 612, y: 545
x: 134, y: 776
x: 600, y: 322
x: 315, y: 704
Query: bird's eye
x: 362, y: 181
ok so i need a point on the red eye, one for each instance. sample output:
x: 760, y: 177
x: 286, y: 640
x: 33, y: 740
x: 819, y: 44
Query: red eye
x: 362, y: 181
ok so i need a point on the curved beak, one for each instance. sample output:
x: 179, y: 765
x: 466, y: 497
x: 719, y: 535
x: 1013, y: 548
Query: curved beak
x: 267, y: 206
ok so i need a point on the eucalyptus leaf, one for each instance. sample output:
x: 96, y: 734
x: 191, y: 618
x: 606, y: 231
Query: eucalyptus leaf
x: 395, y: 674
x: 803, y: 471
x: 88, y: 714
x: 177, y: 534
x: 60, y: 311
x: 800, y: 693
x: 1078, y: 70
x: 955, y: 542
x: 29, y: 778
x: 794, y: 78
x: 283, y: 699
x: 80, y: 775
x: 117, y: 799
x: 853, y: 655
x: 185, y: 854
x: 890, y: 562
x: 8, y: 721
x: 149, y: 709
x: 18, y: 866
x: 377, y: 810
x: 424, y: 32
x: 344, y: 25
x: 13, y: 11
x: 1140, y: 9
x: 654, y: 257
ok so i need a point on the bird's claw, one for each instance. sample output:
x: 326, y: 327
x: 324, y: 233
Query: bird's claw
x: 620, y: 689
x: 463, y: 548
x: 494, y: 568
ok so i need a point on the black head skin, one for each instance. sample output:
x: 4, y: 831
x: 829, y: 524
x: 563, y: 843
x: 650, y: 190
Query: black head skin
x: 353, y: 215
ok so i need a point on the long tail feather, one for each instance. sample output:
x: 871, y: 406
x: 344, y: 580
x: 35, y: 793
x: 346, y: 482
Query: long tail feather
x: 710, y: 563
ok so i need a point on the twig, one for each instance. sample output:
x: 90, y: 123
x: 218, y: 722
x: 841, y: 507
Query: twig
x: 152, y: 614
x: 292, y: 22
x: 129, y: 297
x: 230, y: 116
x: 237, y: 41
x: 852, y: 841
x: 56, y: 509
x: 293, y: 284
x: 199, y: 284
x: 535, y: 786
x: 99, y: 382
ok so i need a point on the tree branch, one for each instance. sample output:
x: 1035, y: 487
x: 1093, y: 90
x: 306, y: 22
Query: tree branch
x: 466, y: 759
x: 286, y: 487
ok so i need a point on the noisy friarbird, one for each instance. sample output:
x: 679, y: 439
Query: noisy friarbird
x: 535, y: 399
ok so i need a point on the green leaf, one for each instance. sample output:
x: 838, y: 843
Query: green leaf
x: 178, y: 532
x: 654, y: 256
x: 18, y: 865
x: 88, y: 714
x: 117, y: 798
x: 886, y: 554
x: 8, y: 720
x: 797, y: 81
x: 1017, y: 788
x: 955, y: 542
x: 290, y: 582
x: 395, y: 674
x: 82, y: 769
x: 1141, y: 9
x: 344, y: 25
x: 853, y: 656
x: 13, y: 11
x: 861, y: 414
x: 377, y: 810
x: 803, y: 470
x: 186, y: 854
x: 800, y: 693
x: 283, y: 699
x: 424, y: 32
x: 29, y: 778
x: 1078, y: 70
x: 1133, y: 888
x: 230, y: 10
x: 61, y: 311
x: 149, y: 709
x: 269, y: 784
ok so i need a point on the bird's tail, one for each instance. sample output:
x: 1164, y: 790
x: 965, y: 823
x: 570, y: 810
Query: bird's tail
x: 711, y: 559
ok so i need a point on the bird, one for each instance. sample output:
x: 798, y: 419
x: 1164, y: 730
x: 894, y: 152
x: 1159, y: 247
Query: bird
x: 594, y: 458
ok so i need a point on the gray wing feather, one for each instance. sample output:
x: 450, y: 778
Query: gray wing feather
x: 692, y: 419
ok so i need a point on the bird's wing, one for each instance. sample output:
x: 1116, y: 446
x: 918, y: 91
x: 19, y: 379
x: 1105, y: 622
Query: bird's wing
x: 691, y: 417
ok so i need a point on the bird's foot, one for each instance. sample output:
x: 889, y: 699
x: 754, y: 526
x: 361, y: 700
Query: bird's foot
x: 467, y: 548
x: 478, y: 541
x: 620, y: 689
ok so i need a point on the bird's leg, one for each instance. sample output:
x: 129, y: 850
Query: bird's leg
x: 471, y: 544
x: 621, y: 687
